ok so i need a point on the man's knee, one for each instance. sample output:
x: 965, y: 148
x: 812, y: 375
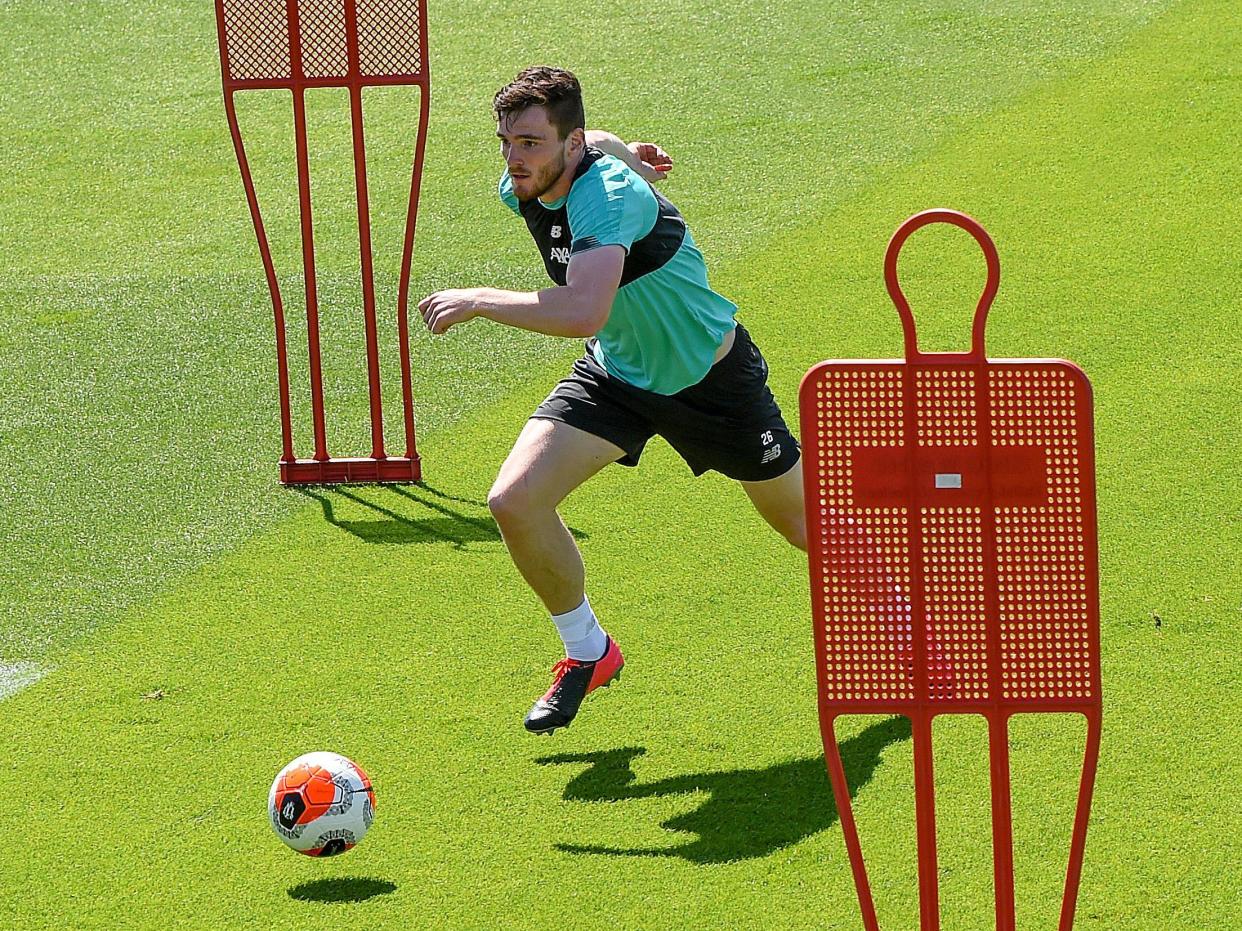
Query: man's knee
x: 795, y: 532
x: 506, y: 502
x: 792, y: 526
x: 512, y: 503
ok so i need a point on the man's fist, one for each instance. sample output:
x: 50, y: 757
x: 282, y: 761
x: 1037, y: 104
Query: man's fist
x: 446, y: 309
x: 656, y: 163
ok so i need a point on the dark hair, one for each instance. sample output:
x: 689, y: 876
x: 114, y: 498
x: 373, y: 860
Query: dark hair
x: 555, y: 89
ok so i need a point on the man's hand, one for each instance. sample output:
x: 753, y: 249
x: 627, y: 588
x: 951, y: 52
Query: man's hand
x: 650, y: 161
x: 446, y: 309
x: 655, y: 162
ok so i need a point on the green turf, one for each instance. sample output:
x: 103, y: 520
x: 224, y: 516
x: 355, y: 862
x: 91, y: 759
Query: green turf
x: 137, y: 384
x: 388, y: 624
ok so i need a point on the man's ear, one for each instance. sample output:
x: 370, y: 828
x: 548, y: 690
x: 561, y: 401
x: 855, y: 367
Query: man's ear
x: 577, y: 141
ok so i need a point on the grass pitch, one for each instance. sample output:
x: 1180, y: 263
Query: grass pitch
x: 150, y: 555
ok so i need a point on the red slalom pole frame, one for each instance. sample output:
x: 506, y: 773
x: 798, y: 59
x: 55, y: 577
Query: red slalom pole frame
x: 952, y: 546
x: 271, y: 45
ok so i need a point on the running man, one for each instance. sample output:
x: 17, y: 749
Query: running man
x: 664, y: 355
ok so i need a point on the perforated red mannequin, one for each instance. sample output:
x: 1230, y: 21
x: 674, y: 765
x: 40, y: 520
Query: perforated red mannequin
x: 952, y: 546
x: 349, y: 44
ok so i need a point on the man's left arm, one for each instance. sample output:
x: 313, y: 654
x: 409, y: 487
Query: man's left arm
x: 579, y: 308
x: 646, y: 158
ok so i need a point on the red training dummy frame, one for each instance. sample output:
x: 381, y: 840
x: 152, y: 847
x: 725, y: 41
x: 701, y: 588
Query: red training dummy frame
x: 298, y: 44
x: 952, y: 545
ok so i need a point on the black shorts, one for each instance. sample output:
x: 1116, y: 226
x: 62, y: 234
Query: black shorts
x: 729, y: 421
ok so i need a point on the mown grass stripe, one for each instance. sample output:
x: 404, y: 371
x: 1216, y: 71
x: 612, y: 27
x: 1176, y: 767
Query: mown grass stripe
x: 137, y: 395
x: 710, y: 742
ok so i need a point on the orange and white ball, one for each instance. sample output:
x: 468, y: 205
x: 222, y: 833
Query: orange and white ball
x: 321, y: 804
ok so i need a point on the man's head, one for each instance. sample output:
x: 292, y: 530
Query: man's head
x: 542, y: 128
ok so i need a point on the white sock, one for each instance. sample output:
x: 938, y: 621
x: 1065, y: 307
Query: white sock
x: 584, y: 639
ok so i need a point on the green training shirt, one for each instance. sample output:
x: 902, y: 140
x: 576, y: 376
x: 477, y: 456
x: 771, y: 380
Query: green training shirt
x: 666, y: 322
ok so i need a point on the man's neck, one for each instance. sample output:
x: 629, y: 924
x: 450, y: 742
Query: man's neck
x: 565, y: 181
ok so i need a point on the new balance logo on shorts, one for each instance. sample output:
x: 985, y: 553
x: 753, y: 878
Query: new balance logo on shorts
x: 772, y: 453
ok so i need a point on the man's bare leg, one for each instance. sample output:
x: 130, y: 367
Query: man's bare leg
x: 780, y: 502
x: 549, y: 460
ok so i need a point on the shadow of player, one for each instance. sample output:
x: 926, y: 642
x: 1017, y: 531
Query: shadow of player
x: 748, y: 813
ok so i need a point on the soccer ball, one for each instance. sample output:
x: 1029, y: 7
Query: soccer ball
x: 321, y: 804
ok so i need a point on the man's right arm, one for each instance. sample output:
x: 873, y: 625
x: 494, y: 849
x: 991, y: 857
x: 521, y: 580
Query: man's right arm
x: 578, y: 308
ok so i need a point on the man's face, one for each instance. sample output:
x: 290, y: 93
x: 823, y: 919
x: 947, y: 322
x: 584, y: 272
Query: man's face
x: 533, y: 151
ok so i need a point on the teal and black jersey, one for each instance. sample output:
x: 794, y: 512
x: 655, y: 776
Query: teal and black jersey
x: 666, y: 322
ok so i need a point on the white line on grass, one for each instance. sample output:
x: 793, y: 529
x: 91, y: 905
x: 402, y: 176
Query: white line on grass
x: 17, y: 676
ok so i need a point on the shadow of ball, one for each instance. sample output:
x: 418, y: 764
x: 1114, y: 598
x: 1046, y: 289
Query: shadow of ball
x: 345, y: 889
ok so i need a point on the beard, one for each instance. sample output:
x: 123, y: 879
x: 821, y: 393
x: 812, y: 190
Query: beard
x: 541, y: 183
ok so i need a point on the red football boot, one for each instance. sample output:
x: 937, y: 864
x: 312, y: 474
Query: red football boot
x: 573, y: 680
